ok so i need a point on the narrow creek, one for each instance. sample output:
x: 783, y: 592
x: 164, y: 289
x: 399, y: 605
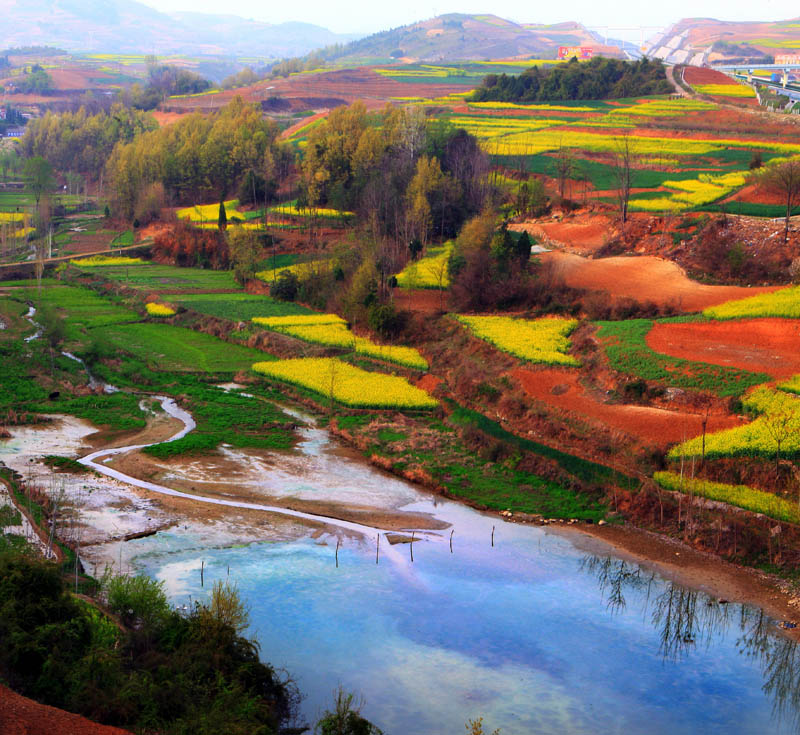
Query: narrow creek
x: 512, y: 623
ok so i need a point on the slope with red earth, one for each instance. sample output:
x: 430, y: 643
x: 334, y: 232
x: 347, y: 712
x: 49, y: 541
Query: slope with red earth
x: 644, y: 278
x: 655, y: 426
x: 22, y: 716
x: 769, y: 346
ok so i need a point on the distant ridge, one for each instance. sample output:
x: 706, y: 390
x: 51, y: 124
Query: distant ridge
x: 127, y: 26
x: 460, y: 37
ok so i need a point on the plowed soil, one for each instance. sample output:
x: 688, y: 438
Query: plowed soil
x: 654, y: 426
x: 644, y: 278
x: 424, y: 300
x: 22, y: 716
x: 762, y: 345
x: 585, y: 236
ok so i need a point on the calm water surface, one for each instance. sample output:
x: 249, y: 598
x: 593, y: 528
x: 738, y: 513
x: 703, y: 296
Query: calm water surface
x: 532, y: 634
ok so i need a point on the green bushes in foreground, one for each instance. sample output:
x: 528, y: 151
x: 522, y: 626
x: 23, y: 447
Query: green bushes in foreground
x: 741, y: 496
x: 168, y: 673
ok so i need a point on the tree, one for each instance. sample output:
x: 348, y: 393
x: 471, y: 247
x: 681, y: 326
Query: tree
x: 245, y: 253
x: 40, y: 177
x: 565, y: 168
x: 222, y: 220
x: 623, y: 173
x: 783, y: 179
x: 345, y: 719
x: 227, y: 606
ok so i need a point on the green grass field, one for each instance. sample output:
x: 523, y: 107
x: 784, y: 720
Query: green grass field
x: 239, y: 306
x: 164, y: 347
x: 629, y: 353
x: 167, y: 278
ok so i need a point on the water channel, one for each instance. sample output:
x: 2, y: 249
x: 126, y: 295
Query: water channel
x: 512, y: 623
x: 515, y: 623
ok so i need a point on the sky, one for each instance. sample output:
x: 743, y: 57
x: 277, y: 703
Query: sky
x: 357, y: 16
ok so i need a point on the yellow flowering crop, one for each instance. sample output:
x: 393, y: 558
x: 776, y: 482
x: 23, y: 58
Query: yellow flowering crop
x: 160, y: 310
x: 741, y: 496
x: 784, y: 303
x: 209, y: 212
x: 427, y: 272
x: 297, y: 320
x: 693, y: 192
x: 533, y: 107
x: 779, y: 420
x: 100, y: 260
x: 13, y: 217
x: 725, y: 90
x: 299, y: 269
x: 332, y: 331
x: 544, y: 340
x: 291, y: 209
x: 347, y: 384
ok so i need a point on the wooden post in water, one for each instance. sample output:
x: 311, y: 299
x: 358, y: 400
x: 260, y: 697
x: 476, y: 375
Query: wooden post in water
x: 377, y: 546
x: 202, y: 564
x: 492, y: 536
x: 337, y: 553
x: 412, y: 547
x: 229, y: 570
x: 451, y: 540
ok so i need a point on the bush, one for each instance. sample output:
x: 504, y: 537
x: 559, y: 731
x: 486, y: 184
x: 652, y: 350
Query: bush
x: 286, y: 287
x: 386, y: 320
x: 139, y: 601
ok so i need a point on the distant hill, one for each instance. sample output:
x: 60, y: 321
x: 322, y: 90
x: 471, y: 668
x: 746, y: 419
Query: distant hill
x: 458, y: 37
x: 127, y: 26
x: 707, y: 40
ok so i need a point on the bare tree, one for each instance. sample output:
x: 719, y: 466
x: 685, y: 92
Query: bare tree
x: 623, y: 173
x: 783, y: 180
x: 565, y: 169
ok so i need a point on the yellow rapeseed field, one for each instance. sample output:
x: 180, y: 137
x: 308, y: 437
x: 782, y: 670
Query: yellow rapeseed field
x: 347, y: 384
x: 332, y: 331
x: 544, y: 340
x: 160, y: 310
x: 100, y: 260
x: 778, y: 420
x: 741, y: 496
x: 429, y: 271
x: 784, y: 303
x: 725, y: 90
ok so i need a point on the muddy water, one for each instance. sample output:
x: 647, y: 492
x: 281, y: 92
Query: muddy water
x: 511, y: 623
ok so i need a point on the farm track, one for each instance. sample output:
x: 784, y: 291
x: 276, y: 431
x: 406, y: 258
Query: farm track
x: 644, y: 278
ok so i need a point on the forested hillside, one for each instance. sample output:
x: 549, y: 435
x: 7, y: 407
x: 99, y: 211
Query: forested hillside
x: 598, y: 79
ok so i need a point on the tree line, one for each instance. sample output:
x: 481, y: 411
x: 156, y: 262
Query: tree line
x: 407, y: 178
x: 598, y: 79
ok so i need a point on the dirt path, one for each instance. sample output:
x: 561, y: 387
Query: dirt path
x: 771, y: 346
x: 584, y: 237
x: 644, y: 278
x: 655, y: 426
x: 22, y: 716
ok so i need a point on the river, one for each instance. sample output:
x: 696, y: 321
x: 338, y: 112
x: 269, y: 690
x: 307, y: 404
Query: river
x: 512, y: 623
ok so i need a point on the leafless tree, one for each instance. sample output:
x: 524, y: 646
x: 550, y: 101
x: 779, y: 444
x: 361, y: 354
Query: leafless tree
x: 783, y: 180
x: 623, y: 173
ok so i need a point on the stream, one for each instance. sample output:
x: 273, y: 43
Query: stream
x: 512, y: 623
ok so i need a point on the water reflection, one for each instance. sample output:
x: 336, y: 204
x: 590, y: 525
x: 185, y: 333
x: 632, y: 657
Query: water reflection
x: 687, y: 619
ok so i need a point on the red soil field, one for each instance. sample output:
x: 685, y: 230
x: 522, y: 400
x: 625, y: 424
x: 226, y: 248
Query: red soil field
x: 585, y: 236
x: 762, y: 345
x: 702, y: 75
x: 655, y: 426
x: 321, y: 91
x: 22, y: 716
x: 644, y: 278
x: 423, y: 300
x: 165, y: 118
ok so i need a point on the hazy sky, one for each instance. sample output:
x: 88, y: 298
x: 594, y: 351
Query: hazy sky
x: 367, y: 17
